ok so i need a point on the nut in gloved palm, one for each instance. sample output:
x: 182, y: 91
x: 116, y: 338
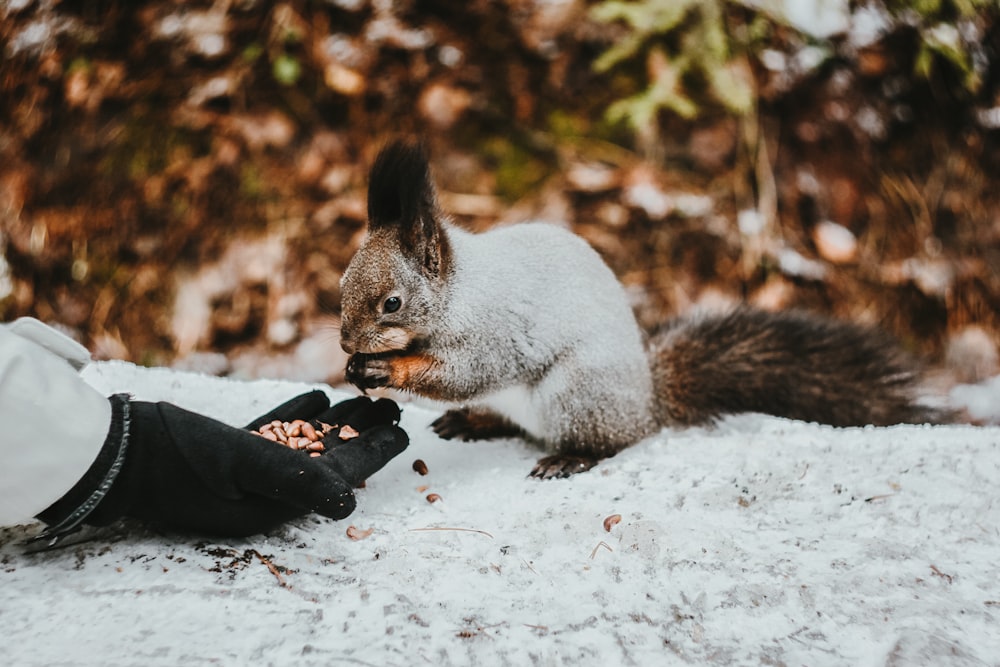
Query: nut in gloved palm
x: 334, y: 426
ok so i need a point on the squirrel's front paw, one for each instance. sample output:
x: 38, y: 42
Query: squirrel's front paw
x: 366, y: 371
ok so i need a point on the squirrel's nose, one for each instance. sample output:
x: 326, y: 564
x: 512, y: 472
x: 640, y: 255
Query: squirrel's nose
x: 346, y: 344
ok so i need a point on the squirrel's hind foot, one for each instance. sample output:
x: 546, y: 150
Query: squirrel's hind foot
x: 474, y: 424
x: 562, y: 465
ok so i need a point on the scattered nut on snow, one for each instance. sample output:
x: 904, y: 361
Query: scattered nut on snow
x: 357, y: 534
x: 433, y: 497
x: 611, y: 521
x: 420, y: 467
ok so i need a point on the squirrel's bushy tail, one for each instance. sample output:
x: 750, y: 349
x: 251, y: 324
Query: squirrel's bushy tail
x: 786, y: 364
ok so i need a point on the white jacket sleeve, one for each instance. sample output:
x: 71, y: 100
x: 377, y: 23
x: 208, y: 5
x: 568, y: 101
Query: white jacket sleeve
x: 52, y: 423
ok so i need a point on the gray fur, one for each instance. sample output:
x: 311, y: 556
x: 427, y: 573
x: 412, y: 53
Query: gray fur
x: 561, y: 355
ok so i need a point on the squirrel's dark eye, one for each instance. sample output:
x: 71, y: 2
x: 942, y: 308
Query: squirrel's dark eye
x: 392, y: 304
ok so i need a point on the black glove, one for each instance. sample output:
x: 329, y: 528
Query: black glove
x: 187, y: 472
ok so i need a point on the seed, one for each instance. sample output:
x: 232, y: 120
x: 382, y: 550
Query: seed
x: 347, y: 432
x: 358, y: 534
x: 284, y: 434
x: 611, y: 521
x: 313, y: 455
x: 309, y: 431
x: 420, y: 467
x: 433, y: 497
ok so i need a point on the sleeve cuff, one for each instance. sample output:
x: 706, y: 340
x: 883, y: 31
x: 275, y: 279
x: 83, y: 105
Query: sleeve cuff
x: 66, y: 514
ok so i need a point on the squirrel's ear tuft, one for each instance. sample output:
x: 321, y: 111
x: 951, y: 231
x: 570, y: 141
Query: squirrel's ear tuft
x: 401, y: 195
x: 399, y: 185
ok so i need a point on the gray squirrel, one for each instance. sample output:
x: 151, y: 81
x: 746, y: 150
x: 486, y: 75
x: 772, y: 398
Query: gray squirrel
x: 531, y: 334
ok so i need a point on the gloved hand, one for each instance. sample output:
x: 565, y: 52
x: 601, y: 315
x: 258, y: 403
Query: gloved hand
x: 191, y: 473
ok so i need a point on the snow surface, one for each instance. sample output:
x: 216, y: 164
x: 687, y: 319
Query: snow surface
x: 761, y: 541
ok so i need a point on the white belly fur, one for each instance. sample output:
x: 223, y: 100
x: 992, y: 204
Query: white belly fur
x: 515, y: 403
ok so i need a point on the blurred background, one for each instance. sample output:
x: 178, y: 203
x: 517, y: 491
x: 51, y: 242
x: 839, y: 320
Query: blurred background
x: 182, y: 183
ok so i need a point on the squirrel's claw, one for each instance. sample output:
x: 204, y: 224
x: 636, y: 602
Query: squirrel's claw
x: 474, y: 424
x: 562, y: 465
x: 366, y: 371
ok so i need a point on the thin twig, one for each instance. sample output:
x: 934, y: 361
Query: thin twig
x: 939, y: 573
x: 463, y: 530
x: 600, y: 544
x: 270, y: 566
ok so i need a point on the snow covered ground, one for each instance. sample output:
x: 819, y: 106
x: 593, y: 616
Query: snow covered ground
x: 762, y: 541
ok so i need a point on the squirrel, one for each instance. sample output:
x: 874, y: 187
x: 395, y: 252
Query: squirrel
x: 529, y: 331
